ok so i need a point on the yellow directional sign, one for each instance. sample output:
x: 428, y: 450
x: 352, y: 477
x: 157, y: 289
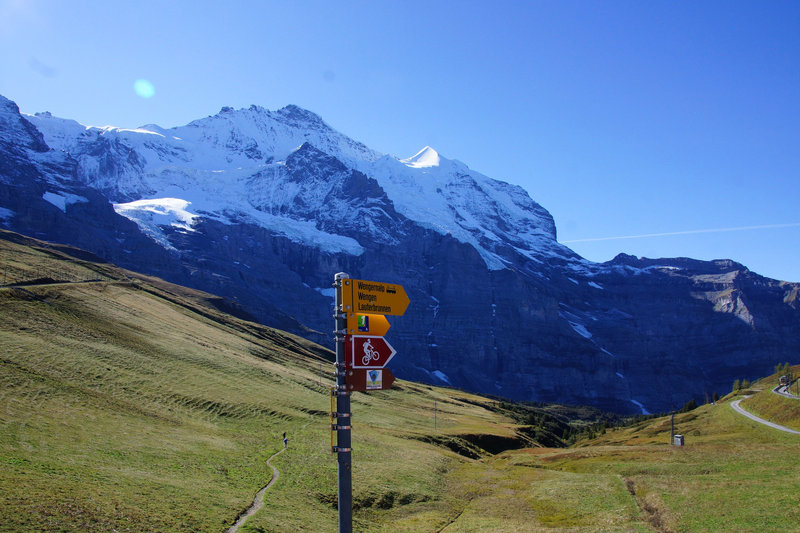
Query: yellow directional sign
x: 373, y: 297
x: 366, y: 324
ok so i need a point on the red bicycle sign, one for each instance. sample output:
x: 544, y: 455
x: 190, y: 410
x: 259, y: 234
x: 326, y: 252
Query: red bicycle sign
x: 369, y: 351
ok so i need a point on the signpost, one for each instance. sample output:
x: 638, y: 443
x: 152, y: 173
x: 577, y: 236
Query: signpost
x: 361, y: 354
x: 368, y: 352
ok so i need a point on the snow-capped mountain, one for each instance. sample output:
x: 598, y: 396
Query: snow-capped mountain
x: 242, y: 164
x: 265, y: 206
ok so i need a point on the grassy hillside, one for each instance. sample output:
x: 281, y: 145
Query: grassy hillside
x: 127, y: 403
x: 130, y: 404
x: 733, y: 474
x: 773, y: 407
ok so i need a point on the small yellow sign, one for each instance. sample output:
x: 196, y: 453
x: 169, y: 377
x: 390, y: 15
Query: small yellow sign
x: 373, y: 297
x: 365, y: 324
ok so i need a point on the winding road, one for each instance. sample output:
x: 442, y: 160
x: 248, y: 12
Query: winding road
x: 736, y: 407
x: 785, y: 391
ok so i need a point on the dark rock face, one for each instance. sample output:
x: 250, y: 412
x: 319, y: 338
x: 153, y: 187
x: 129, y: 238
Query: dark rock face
x: 627, y: 335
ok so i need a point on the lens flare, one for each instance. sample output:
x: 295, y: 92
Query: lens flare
x: 144, y: 88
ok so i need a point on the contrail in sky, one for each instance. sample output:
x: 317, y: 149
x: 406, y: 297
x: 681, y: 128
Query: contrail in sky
x: 688, y: 232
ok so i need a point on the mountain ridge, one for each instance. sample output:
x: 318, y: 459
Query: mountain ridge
x: 152, y: 164
x: 263, y: 207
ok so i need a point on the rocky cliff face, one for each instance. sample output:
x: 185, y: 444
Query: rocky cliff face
x: 264, y: 207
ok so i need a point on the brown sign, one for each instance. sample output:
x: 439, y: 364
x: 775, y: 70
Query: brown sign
x: 363, y: 379
x: 368, y: 351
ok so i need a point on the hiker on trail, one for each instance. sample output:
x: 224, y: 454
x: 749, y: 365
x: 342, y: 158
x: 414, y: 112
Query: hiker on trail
x: 285, y: 440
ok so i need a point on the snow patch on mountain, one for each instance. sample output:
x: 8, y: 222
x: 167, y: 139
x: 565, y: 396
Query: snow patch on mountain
x: 581, y: 330
x: 434, y: 306
x: 427, y: 157
x: 641, y: 407
x: 328, y: 292
x: 163, y: 211
x: 441, y: 376
x: 62, y: 199
x: 152, y: 215
x: 446, y: 196
x: 306, y: 232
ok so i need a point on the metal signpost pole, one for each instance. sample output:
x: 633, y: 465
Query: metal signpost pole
x: 343, y: 445
x: 360, y: 326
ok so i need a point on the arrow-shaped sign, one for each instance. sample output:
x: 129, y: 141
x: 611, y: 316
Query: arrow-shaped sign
x: 364, y: 379
x: 368, y: 351
x: 358, y: 324
x: 373, y: 297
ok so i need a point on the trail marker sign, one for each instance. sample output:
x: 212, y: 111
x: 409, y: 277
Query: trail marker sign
x: 374, y: 297
x: 364, y: 379
x: 366, y: 324
x: 367, y: 351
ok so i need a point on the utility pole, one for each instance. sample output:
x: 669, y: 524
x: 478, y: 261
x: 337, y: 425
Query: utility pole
x: 672, y: 430
x: 343, y: 438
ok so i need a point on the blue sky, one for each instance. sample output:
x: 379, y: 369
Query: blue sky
x: 673, y: 124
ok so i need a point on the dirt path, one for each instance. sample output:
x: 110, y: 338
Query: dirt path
x: 258, y: 501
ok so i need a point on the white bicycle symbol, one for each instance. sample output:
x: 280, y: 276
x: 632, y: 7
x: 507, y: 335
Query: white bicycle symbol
x: 369, y: 353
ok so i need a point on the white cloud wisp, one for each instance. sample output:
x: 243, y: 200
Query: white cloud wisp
x: 687, y: 232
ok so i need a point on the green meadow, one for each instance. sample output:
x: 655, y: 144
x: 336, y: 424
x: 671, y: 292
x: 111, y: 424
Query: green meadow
x: 130, y: 404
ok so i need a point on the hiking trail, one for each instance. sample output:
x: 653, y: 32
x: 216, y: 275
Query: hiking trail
x: 258, y: 501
